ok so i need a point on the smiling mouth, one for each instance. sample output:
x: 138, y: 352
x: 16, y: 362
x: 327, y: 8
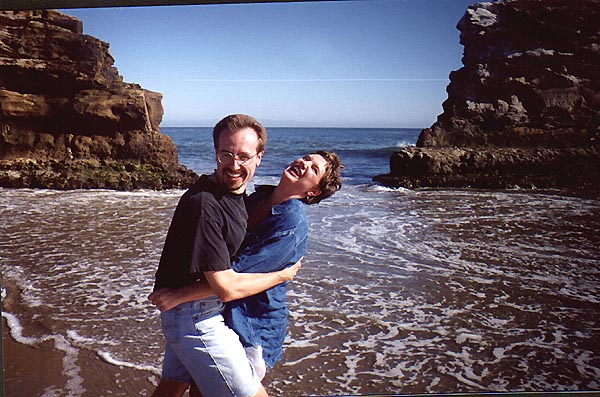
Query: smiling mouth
x: 233, y: 175
x: 295, y: 170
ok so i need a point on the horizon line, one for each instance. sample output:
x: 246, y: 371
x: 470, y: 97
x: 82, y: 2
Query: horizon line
x: 304, y: 126
x: 303, y: 80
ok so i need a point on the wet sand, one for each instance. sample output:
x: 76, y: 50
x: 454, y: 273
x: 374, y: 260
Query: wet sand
x: 38, y: 369
x: 35, y: 370
x: 29, y: 370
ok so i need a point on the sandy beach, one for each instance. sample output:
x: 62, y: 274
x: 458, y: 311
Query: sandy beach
x: 35, y: 370
x: 43, y: 369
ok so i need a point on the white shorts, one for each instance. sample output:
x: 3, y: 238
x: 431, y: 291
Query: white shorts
x: 256, y: 359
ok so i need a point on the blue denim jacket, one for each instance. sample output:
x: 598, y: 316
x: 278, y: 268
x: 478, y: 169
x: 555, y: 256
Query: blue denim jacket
x: 278, y: 242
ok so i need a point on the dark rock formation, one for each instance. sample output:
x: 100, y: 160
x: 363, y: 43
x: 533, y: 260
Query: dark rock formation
x: 67, y: 119
x: 524, y: 110
x: 495, y: 168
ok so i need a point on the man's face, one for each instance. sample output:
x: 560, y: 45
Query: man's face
x: 237, y: 159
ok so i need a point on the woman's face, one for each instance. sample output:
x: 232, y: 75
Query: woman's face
x: 303, y: 175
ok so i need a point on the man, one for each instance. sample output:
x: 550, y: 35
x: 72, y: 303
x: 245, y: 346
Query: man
x: 277, y: 235
x: 207, y: 229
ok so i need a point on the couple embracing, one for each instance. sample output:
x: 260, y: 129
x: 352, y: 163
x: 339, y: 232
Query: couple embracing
x: 227, y: 258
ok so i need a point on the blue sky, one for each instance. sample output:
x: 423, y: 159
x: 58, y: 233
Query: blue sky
x: 377, y: 63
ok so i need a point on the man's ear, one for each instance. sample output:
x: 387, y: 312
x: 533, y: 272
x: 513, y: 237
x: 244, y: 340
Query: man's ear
x: 259, y: 157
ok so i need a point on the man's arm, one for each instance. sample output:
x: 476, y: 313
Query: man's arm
x: 281, y: 242
x: 229, y: 285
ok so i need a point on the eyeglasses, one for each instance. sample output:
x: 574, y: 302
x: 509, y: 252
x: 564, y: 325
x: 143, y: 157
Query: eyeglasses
x: 228, y: 157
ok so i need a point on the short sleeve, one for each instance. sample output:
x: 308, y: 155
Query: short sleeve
x: 209, y: 251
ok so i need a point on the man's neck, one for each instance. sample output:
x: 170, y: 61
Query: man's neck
x: 213, y: 178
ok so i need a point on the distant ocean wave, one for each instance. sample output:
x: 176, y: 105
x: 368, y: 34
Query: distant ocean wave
x: 365, y: 152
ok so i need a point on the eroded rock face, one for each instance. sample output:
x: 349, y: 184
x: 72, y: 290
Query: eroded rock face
x: 62, y: 102
x: 575, y: 169
x: 530, y: 80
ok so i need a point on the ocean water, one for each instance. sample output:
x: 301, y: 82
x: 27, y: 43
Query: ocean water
x: 365, y: 152
x: 427, y: 291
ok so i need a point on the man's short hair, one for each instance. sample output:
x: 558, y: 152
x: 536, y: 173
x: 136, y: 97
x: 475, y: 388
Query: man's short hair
x: 236, y: 122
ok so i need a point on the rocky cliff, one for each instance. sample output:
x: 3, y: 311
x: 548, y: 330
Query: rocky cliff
x: 67, y: 119
x: 524, y: 110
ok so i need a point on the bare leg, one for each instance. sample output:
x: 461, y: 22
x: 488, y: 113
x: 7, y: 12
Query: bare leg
x: 170, y: 388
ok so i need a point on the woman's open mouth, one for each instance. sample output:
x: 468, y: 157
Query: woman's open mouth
x: 295, y: 170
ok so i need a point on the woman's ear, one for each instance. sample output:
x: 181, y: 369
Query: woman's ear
x: 313, y: 192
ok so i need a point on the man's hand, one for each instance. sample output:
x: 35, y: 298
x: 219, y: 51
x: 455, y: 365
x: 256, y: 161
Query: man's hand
x: 289, y: 273
x: 165, y: 298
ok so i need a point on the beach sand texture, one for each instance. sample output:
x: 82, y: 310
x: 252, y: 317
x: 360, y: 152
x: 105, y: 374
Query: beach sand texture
x: 43, y: 368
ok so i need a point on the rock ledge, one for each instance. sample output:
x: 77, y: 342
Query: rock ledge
x: 524, y: 110
x: 67, y: 119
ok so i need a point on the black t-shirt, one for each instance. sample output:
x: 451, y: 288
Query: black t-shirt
x: 207, y: 229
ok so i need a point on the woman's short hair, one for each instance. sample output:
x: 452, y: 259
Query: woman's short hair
x: 331, y: 181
